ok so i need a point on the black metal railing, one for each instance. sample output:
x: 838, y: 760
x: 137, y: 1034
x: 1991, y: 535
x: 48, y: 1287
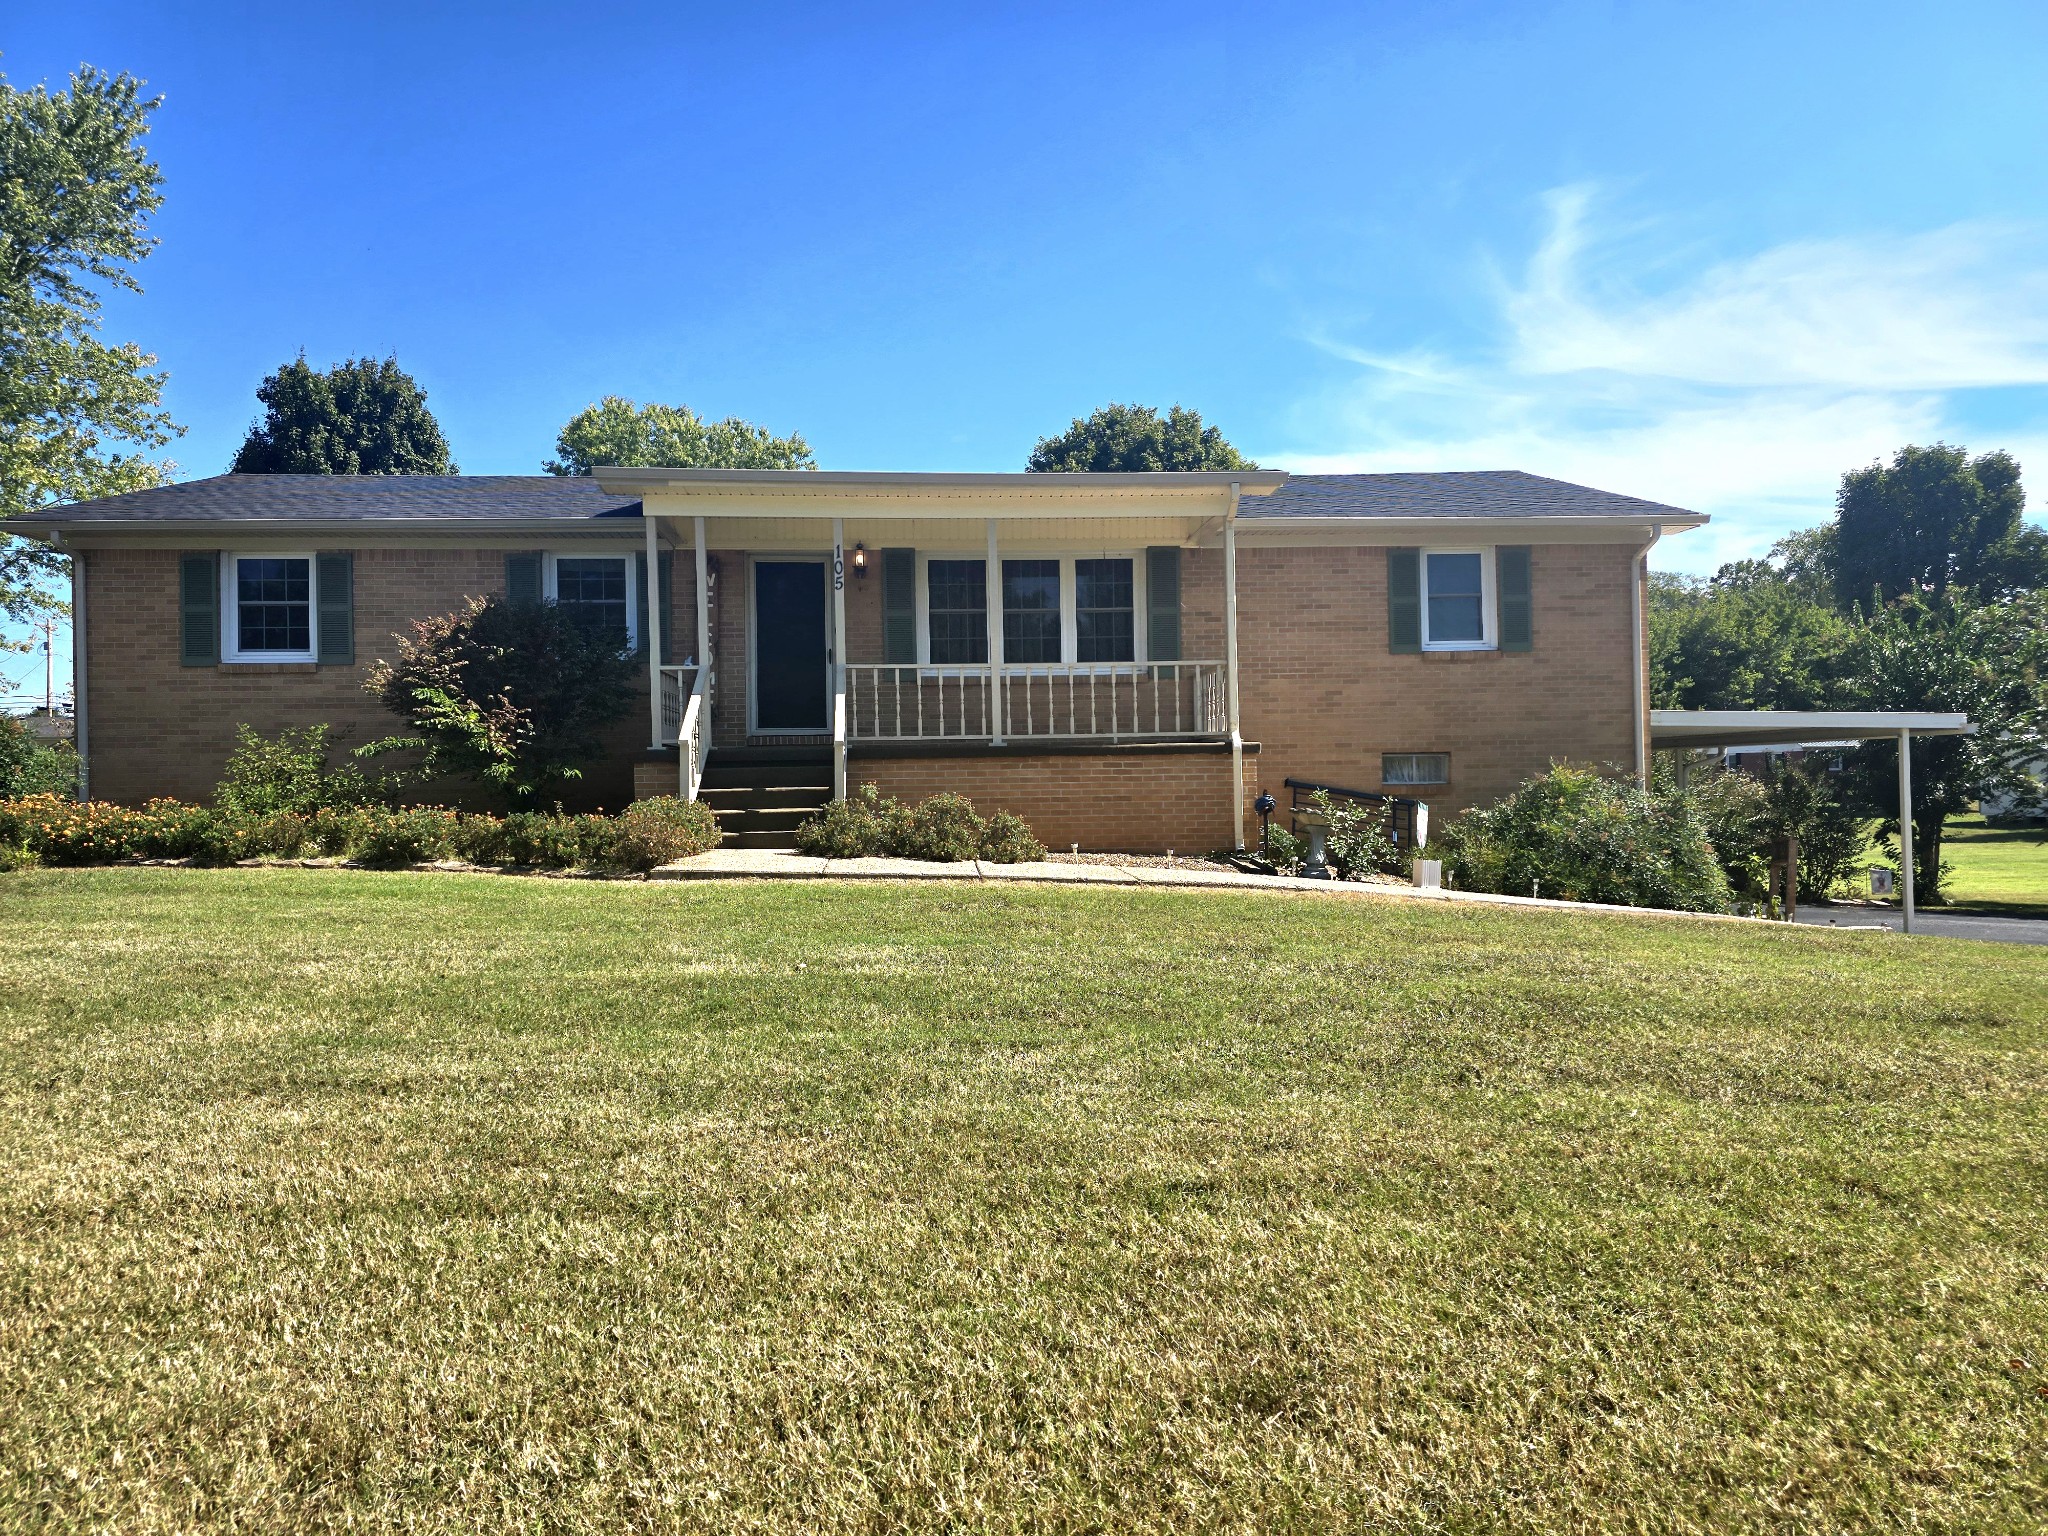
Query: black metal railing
x: 1401, y: 811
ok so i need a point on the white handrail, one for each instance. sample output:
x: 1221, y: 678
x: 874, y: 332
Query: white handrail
x: 1110, y: 701
x: 693, y: 737
x: 839, y: 733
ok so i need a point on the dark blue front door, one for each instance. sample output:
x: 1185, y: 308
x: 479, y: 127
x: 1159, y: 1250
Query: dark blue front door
x: 789, y: 645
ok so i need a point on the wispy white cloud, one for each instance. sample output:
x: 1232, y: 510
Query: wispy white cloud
x: 1743, y: 390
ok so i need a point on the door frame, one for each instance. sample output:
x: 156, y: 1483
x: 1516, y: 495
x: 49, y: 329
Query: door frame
x: 823, y: 559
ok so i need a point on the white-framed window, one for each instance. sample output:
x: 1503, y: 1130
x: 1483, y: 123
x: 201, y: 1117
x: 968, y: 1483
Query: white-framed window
x: 597, y: 589
x: 1057, y: 609
x: 1459, y: 612
x: 1415, y: 767
x: 267, y: 610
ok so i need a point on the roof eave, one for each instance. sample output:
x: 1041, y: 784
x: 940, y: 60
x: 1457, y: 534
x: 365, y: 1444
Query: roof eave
x: 636, y: 480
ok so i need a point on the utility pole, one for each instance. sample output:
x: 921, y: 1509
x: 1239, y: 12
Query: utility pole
x: 50, y: 669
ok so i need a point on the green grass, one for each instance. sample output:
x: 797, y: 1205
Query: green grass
x: 2000, y: 870
x: 444, y: 1203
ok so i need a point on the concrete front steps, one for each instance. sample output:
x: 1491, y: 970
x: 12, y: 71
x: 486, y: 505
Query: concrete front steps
x: 763, y: 794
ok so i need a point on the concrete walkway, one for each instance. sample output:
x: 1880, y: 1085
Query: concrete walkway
x: 780, y: 864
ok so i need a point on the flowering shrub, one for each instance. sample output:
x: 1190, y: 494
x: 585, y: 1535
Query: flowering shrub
x: 48, y: 829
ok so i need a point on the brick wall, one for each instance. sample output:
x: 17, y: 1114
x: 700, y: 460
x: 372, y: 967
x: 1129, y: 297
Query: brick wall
x: 1321, y: 692
x: 155, y: 727
x: 1129, y: 802
x: 1324, y: 697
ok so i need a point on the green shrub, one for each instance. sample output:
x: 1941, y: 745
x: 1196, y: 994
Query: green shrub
x: 1358, y: 841
x: 1576, y: 835
x: 944, y: 829
x: 15, y: 857
x: 334, y: 830
x: 858, y: 827
x: 1736, y: 811
x: 1285, y: 850
x: 414, y: 834
x: 286, y: 773
x: 30, y: 765
x: 538, y: 840
x: 1008, y: 840
x: 655, y: 831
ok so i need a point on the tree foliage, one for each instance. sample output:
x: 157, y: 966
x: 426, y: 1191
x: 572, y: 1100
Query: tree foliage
x: 1135, y: 439
x: 363, y: 416
x: 1934, y: 520
x: 1986, y: 660
x: 516, y: 695
x: 616, y: 431
x: 1749, y: 638
x: 77, y: 415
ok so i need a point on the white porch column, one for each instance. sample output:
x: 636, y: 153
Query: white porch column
x: 653, y: 621
x: 994, y: 590
x: 1906, y: 831
x: 1230, y: 666
x: 703, y: 597
x: 838, y: 658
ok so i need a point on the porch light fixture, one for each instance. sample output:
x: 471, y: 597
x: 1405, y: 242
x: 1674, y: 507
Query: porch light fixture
x: 860, y: 562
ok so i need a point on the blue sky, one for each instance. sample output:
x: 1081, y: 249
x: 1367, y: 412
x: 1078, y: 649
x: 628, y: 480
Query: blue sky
x: 1712, y: 255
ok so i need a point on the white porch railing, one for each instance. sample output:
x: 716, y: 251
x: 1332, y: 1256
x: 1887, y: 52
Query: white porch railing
x: 686, y: 720
x: 1109, y: 701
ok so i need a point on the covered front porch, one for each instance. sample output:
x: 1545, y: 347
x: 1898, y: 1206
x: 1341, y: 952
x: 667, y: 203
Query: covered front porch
x: 1005, y: 625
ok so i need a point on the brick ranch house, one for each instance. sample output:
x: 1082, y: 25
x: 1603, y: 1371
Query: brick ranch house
x: 1123, y: 660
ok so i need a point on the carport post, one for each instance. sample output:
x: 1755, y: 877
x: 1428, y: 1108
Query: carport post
x: 1906, y: 831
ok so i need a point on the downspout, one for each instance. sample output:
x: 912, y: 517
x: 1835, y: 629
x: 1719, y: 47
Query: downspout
x: 78, y: 721
x: 1639, y: 573
x: 1230, y: 666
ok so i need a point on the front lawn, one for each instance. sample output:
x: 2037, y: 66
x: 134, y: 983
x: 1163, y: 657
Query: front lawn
x: 445, y: 1202
x: 2002, y: 869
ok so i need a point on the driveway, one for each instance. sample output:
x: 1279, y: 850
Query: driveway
x: 2002, y: 930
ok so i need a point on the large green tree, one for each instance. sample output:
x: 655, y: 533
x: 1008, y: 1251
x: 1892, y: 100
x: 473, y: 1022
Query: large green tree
x: 1136, y: 439
x: 77, y: 415
x: 363, y: 416
x: 1986, y: 660
x: 617, y: 431
x: 1935, y: 520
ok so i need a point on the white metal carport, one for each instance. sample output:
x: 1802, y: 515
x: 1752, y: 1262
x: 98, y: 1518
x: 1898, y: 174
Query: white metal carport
x: 1765, y: 728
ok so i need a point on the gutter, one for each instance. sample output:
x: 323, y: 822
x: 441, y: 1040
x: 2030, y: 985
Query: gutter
x: 1639, y: 579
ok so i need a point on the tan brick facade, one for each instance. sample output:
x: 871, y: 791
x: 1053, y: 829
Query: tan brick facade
x: 1322, y: 694
x: 1142, y: 801
x: 156, y: 727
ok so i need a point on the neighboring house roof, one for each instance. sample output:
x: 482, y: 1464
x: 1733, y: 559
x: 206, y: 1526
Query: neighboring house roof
x: 1450, y: 493
x: 348, y: 498
x: 524, y: 499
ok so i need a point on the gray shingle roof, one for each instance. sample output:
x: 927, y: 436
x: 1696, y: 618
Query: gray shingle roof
x: 1450, y: 493
x: 368, y: 498
x: 379, y: 498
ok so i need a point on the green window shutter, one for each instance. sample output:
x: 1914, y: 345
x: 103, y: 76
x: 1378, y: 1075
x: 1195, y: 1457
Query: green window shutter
x: 1404, y: 600
x: 198, y: 610
x: 899, y: 606
x: 640, y: 587
x: 1517, y: 604
x: 522, y: 577
x: 665, y: 604
x: 1162, y: 603
x: 335, y: 584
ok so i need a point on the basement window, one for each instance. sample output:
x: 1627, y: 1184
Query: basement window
x: 1415, y: 768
